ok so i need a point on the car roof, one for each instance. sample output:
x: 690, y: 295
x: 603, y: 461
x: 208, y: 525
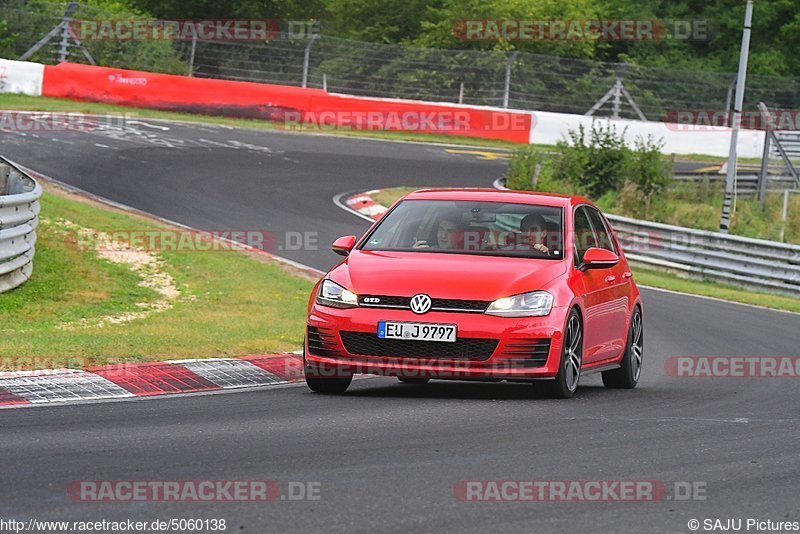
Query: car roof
x: 497, y: 195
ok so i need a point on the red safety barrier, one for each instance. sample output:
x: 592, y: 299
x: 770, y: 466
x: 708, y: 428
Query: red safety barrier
x: 293, y: 106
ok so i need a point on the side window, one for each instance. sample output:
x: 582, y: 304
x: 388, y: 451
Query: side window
x: 584, y: 236
x: 604, y: 239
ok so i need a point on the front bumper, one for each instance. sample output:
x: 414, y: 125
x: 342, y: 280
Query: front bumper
x: 494, y: 348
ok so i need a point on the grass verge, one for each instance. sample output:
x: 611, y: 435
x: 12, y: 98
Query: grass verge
x: 230, y: 302
x: 663, y: 280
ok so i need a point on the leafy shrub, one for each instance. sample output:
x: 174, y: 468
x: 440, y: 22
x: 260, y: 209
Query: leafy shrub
x: 522, y: 166
x: 649, y: 171
x: 594, y: 163
x: 599, y: 165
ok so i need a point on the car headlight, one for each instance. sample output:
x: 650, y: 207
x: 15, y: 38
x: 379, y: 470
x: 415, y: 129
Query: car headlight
x: 332, y: 294
x: 533, y: 304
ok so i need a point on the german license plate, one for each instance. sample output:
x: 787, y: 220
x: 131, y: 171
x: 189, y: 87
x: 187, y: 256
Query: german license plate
x: 417, y: 331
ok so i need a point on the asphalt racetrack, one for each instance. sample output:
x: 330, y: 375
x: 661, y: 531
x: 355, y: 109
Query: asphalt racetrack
x: 386, y: 456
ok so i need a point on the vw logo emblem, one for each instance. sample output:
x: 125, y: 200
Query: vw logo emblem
x: 420, y: 303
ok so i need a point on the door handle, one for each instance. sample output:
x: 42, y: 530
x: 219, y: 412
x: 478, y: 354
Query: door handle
x: 626, y: 274
x: 610, y: 279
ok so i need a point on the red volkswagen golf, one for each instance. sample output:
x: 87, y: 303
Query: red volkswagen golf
x: 478, y: 285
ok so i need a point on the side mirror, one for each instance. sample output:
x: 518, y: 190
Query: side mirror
x: 344, y: 245
x: 599, y: 258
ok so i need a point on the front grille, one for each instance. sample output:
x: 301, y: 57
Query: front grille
x: 322, y: 342
x: 527, y: 352
x: 369, y: 344
x: 457, y: 305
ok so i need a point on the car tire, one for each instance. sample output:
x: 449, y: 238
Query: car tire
x: 413, y: 381
x: 326, y: 379
x: 627, y: 376
x: 569, y: 368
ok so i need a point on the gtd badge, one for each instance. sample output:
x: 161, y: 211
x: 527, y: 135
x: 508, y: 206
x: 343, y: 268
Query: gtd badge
x: 420, y: 303
x: 372, y: 300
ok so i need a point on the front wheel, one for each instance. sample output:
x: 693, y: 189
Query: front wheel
x: 569, y: 370
x: 326, y: 379
x: 627, y: 376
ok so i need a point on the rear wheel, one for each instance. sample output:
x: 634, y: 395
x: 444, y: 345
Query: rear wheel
x: 326, y: 379
x: 569, y: 370
x: 627, y: 376
x: 413, y: 381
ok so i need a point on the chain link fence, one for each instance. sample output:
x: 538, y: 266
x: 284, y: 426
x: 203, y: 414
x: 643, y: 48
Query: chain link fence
x: 517, y: 80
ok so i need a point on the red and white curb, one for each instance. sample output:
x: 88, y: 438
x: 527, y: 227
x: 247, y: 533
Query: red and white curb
x: 130, y: 380
x: 365, y: 205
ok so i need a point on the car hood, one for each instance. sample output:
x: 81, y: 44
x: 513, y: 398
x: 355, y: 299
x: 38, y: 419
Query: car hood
x: 441, y: 275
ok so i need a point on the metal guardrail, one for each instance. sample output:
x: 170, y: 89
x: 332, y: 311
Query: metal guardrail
x: 755, y: 264
x: 19, y: 216
x: 752, y: 263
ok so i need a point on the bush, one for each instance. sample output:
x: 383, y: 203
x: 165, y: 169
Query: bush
x: 593, y: 163
x: 649, y: 171
x: 597, y: 164
x: 522, y: 166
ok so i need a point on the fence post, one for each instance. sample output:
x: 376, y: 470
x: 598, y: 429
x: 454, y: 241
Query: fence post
x: 507, y: 87
x: 461, y: 93
x: 324, y: 82
x: 191, y: 54
x: 785, y: 212
x: 306, y: 56
x: 762, y: 176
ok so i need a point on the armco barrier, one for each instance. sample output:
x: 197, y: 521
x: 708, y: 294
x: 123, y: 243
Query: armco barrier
x: 276, y: 102
x: 752, y: 263
x: 19, y: 216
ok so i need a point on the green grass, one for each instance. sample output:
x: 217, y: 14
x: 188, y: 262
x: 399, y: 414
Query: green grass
x: 387, y: 197
x: 653, y: 278
x: 231, y: 303
x: 698, y: 205
x: 664, y: 280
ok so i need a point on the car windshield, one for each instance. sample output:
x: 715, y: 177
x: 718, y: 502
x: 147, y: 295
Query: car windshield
x: 469, y: 227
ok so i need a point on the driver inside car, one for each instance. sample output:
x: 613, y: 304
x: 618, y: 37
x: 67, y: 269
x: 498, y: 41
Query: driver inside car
x: 446, y: 238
